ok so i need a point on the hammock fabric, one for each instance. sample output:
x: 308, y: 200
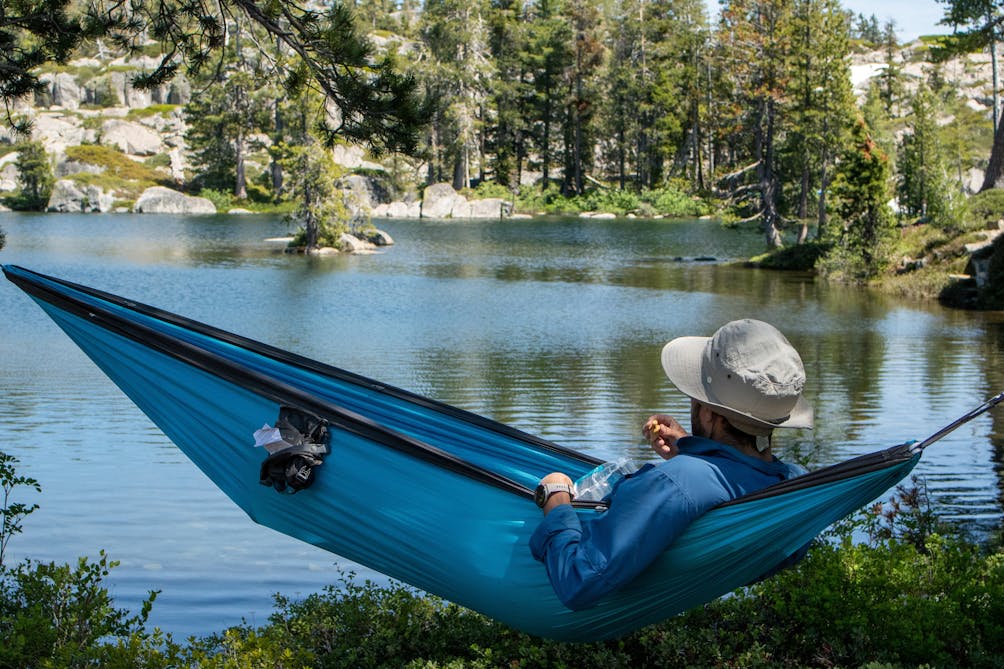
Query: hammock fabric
x: 423, y: 492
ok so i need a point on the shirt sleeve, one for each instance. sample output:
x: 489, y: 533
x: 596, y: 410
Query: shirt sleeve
x: 585, y: 560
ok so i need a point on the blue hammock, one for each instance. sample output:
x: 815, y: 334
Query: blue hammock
x: 387, y: 494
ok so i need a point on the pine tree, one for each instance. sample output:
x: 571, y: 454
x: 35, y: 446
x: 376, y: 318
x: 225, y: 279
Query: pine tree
x: 312, y: 184
x: 510, y: 93
x: 34, y: 175
x: 455, y: 34
x: 924, y: 188
x: 754, y: 41
x: 821, y: 110
x: 866, y: 223
x: 582, y: 94
x: 230, y: 110
x: 548, y: 54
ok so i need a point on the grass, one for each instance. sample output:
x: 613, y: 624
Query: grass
x: 116, y: 164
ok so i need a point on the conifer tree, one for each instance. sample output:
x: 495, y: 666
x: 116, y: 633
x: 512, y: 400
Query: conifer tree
x: 582, y: 93
x: 865, y: 222
x: 924, y: 187
x: 455, y: 34
x: 34, y: 175
x: 510, y: 93
x: 754, y: 42
x: 549, y: 54
x: 821, y: 106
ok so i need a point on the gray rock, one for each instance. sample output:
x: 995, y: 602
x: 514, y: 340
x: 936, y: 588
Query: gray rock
x: 57, y: 132
x: 105, y: 91
x: 492, y: 207
x: 367, y: 191
x: 70, y: 197
x: 131, y: 138
x: 65, y: 168
x: 438, y: 201
x: 8, y: 172
x: 377, y: 238
x: 66, y: 92
x: 352, y: 244
x: 404, y: 210
x: 461, y: 208
x: 160, y: 200
x: 180, y: 92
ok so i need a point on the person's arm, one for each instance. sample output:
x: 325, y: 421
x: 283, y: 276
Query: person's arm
x: 586, y: 561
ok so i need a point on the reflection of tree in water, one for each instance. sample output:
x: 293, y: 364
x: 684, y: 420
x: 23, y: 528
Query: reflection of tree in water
x: 993, y: 368
x: 3, y: 238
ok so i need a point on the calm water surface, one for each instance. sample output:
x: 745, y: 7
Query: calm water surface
x: 554, y: 326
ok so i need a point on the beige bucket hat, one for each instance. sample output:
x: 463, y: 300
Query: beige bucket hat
x: 747, y: 371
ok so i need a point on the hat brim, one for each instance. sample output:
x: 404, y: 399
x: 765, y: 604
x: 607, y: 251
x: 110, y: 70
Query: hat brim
x: 681, y: 360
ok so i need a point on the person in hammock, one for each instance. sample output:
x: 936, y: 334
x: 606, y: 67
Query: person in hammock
x: 743, y: 382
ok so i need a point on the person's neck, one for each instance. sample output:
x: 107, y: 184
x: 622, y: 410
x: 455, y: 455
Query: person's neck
x: 743, y: 446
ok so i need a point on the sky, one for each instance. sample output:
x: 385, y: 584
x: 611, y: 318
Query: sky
x: 913, y: 17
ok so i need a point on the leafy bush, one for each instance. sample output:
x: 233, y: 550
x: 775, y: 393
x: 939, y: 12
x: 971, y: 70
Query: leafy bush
x: 61, y: 616
x: 490, y: 189
x: 221, y: 199
x: 611, y: 200
x: 674, y: 202
x: 986, y: 208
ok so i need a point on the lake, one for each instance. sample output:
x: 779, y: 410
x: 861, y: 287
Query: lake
x: 552, y: 325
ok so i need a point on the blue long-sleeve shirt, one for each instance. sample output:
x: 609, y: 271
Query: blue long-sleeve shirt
x: 648, y: 511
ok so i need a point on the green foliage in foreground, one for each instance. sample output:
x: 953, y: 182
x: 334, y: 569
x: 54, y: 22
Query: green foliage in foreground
x: 907, y: 597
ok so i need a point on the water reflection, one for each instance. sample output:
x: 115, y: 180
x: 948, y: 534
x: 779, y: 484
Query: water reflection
x: 552, y: 326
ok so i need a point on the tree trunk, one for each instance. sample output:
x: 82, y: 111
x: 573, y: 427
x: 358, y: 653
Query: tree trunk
x: 458, y: 172
x: 996, y: 79
x: 768, y: 184
x: 240, y: 182
x: 545, y: 143
x: 995, y: 170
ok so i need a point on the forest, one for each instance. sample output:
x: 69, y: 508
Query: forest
x: 629, y: 106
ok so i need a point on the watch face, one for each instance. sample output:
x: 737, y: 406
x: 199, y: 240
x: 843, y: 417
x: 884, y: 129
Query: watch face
x: 540, y: 496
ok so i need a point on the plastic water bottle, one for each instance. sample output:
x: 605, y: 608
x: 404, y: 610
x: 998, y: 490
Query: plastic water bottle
x: 601, y: 481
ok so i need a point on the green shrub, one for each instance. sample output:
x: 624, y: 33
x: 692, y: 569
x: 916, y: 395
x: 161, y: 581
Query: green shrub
x: 116, y: 164
x: 152, y: 110
x: 489, y: 189
x: 55, y: 615
x: 986, y: 208
x: 611, y: 200
x: 673, y: 202
x: 223, y: 200
x: 800, y: 257
x: 159, y: 160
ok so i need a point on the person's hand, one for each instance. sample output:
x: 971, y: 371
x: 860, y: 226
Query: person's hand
x: 558, y: 498
x: 662, y: 432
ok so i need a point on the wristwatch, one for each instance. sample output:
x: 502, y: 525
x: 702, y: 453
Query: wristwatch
x: 545, y: 490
